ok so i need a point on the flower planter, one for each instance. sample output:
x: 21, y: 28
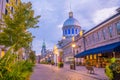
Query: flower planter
x: 116, y: 76
x: 60, y: 65
x: 113, y: 69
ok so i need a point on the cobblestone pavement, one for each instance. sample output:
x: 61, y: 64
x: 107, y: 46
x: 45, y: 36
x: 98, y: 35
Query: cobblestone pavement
x: 48, y: 72
x: 99, y: 73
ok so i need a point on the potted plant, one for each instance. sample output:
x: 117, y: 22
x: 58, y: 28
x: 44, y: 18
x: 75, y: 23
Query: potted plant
x: 112, y: 70
x: 60, y: 64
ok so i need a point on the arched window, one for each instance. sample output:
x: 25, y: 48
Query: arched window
x: 104, y: 34
x: 65, y: 31
x: 110, y: 30
x: 68, y: 31
x: 72, y: 30
x: 76, y: 31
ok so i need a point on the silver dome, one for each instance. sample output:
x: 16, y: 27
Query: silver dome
x: 71, y: 21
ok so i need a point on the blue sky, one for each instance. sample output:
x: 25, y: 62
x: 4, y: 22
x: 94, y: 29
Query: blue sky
x: 54, y: 12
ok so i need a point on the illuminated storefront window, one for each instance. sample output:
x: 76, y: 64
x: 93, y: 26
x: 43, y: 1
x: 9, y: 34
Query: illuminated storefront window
x: 95, y: 57
x: 87, y: 57
x: 90, y: 56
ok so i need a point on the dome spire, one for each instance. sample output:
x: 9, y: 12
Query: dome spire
x: 70, y: 13
x: 43, y: 45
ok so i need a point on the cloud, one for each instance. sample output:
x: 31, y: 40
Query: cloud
x: 55, y: 12
x: 101, y: 15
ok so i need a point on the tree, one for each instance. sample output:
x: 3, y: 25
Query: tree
x: 32, y: 56
x: 15, y: 35
x: 19, y: 19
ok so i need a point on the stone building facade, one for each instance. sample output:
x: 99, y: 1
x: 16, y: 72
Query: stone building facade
x: 104, y: 35
x: 71, y: 28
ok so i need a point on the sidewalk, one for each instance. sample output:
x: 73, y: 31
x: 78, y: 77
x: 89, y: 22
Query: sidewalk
x: 50, y: 72
x: 99, y: 72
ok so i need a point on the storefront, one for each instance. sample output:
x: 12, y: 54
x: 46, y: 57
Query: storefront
x: 99, y: 56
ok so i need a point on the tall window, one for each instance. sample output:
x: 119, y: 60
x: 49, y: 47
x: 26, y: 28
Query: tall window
x: 110, y: 31
x: 86, y: 41
x: 72, y: 30
x: 76, y: 31
x: 93, y: 38
x: 103, y: 31
x: 68, y: 31
x: 90, y: 41
x: 118, y: 27
x: 65, y: 31
x: 98, y: 36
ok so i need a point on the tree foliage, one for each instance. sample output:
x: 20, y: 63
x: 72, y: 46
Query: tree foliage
x: 10, y: 69
x: 32, y: 56
x: 15, y: 35
x: 16, y: 23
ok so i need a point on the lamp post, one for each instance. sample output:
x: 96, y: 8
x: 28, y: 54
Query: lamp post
x: 2, y: 53
x: 73, y: 46
x: 55, y: 51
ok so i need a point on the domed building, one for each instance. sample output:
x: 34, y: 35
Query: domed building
x: 71, y: 27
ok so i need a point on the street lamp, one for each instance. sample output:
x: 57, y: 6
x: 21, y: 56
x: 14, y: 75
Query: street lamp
x: 63, y: 37
x: 2, y: 53
x: 73, y: 46
x: 50, y: 55
x: 55, y: 51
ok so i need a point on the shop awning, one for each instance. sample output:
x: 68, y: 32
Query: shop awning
x: 114, y: 47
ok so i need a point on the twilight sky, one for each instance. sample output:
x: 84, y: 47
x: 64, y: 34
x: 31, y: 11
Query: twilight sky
x: 54, y: 12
